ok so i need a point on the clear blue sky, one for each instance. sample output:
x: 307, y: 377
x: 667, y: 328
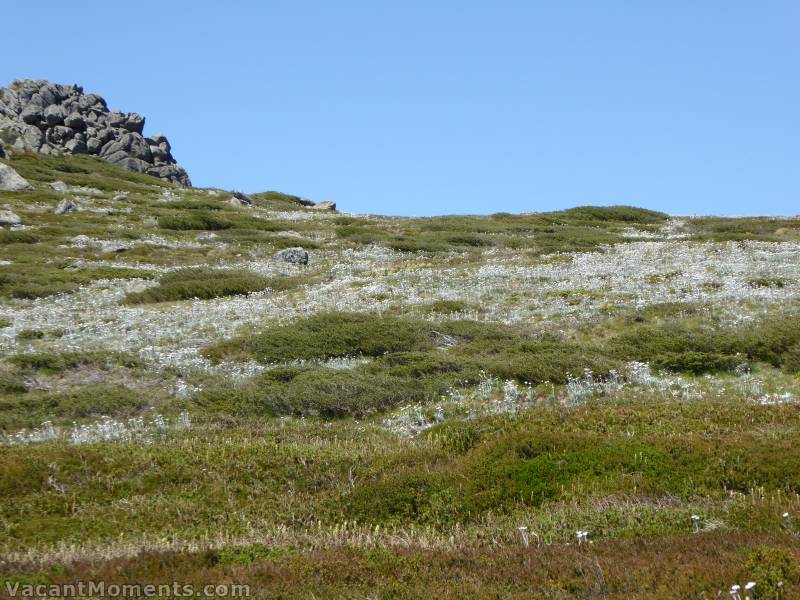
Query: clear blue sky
x: 432, y: 107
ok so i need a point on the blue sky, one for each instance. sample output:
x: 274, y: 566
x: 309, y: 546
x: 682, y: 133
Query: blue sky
x: 434, y: 107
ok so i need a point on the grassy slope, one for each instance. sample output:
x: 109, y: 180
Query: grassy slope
x: 333, y: 503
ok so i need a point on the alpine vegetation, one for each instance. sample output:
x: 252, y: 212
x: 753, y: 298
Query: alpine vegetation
x: 600, y: 402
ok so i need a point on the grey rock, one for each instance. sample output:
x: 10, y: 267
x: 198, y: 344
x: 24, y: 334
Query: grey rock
x: 158, y: 138
x: 11, y: 181
x: 66, y: 206
x: 92, y: 101
x: 237, y: 203
x: 135, y: 165
x: 54, y: 115
x: 134, y: 123
x: 173, y: 173
x: 2, y: 150
x: 93, y: 145
x: 115, y: 119
x: 294, y: 256
x: 326, y: 205
x: 105, y: 135
x: 32, y: 137
x: 75, y: 121
x: 76, y: 146
x: 32, y: 114
x: 59, y: 186
x: 60, y: 135
x: 115, y: 146
x: 115, y: 157
x: 9, y: 219
x: 243, y: 197
x: 53, y: 119
x: 159, y: 154
x: 50, y: 94
x: 139, y: 148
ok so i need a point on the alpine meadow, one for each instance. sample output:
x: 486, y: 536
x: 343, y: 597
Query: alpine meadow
x: 262, y: 390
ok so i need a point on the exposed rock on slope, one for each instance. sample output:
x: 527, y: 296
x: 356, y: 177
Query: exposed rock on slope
x: 51, y: 118
x: 11, y: 181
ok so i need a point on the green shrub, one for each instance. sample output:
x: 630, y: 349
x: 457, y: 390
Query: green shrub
x: 790, y: 360
x: 535, y: 361
x: 17, y: 237
x: 199, y: 220
x: 329, y: 335
x: 38, y: 281
x: 696, y: 362
x: 32, y: 408
x: 203, y: 283
x: 771, y: 569
x: 627, y: 214
x: 446, y: 307
x: 11, y: 384
x: 314, y: 392
x: 767, y: 282
x: 30, y: 334
x: 244, y: 555
x: 52, y: 362
x: 399, y: 498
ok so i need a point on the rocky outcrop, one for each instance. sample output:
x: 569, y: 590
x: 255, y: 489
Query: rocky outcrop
x: 11, y: 181
x: 50, y: 118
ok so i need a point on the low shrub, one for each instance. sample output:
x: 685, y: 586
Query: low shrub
x: 33, y: 408
x: 199, y: 220
x: 329, y: 335
x: 17, y: 237
x: 203, y: 283
x: 54, y: 362
x: 772, y: 569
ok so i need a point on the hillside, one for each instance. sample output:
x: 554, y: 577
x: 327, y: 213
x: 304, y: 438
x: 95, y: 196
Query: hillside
x: 249, y: 389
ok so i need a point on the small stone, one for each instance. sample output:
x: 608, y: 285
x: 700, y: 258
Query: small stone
x: 9, y: 219
x: 294, y: 256
x: 66, y: 206
x: 326, y: 205
x: 59, y: 186
x: 11, y: 181
x: 243, y: 197
x: 236, y: 203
